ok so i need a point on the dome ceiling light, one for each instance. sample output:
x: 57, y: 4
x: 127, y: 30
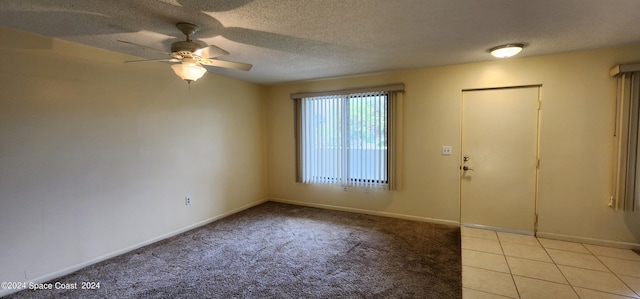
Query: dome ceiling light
x: 505, y: 51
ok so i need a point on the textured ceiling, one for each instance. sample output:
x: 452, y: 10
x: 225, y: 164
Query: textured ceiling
x: 290, y: 40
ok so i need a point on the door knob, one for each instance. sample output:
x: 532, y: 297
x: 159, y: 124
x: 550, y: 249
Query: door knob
x: 466, y: 168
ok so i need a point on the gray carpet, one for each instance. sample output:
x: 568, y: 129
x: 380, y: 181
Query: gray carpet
x: 276, y: 250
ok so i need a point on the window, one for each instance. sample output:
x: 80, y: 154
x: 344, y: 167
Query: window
x: 346, y: 138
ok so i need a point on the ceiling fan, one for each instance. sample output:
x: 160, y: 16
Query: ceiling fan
x: 192, y: 56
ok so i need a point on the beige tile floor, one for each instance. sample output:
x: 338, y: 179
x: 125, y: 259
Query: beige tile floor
x: 505, y: 265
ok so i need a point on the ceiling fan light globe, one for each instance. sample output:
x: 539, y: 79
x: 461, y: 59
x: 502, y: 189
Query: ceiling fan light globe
x: 189, y: 71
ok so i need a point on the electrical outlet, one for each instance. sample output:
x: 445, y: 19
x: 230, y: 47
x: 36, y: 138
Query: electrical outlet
x: 447, y: 150
x: 187, y: 201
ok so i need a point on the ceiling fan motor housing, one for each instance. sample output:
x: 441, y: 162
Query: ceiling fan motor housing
x: 185, y: 46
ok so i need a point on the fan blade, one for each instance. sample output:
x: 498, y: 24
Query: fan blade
x: 143, y: 46
x: 211, y: 52
x: 148, y: 60
x: 226, y: 64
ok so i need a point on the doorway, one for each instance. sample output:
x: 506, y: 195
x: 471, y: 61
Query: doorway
x: 499, y: 163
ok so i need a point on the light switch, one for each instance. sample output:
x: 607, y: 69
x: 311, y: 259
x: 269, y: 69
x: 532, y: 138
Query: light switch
x: 447, y: 150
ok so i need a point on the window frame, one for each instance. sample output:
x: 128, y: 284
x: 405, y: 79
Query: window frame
x: 391, y: 94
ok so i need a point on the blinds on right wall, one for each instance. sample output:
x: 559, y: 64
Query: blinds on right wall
x: 626, y: 185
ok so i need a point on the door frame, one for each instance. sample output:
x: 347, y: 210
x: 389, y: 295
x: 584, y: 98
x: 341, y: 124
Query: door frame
x: 537, y: 150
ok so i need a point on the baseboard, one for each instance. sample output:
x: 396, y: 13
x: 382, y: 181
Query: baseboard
x: 585, y: 240
x: 69, y: 270
x: 368, y: 212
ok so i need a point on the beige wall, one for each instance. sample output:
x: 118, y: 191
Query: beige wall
x: 96, y: 156
x: 575, y: 149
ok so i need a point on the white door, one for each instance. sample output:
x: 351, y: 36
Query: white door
x: 500, y: 158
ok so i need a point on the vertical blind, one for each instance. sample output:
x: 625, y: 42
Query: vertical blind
x: 346, y: 139
x: 626, y: 191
